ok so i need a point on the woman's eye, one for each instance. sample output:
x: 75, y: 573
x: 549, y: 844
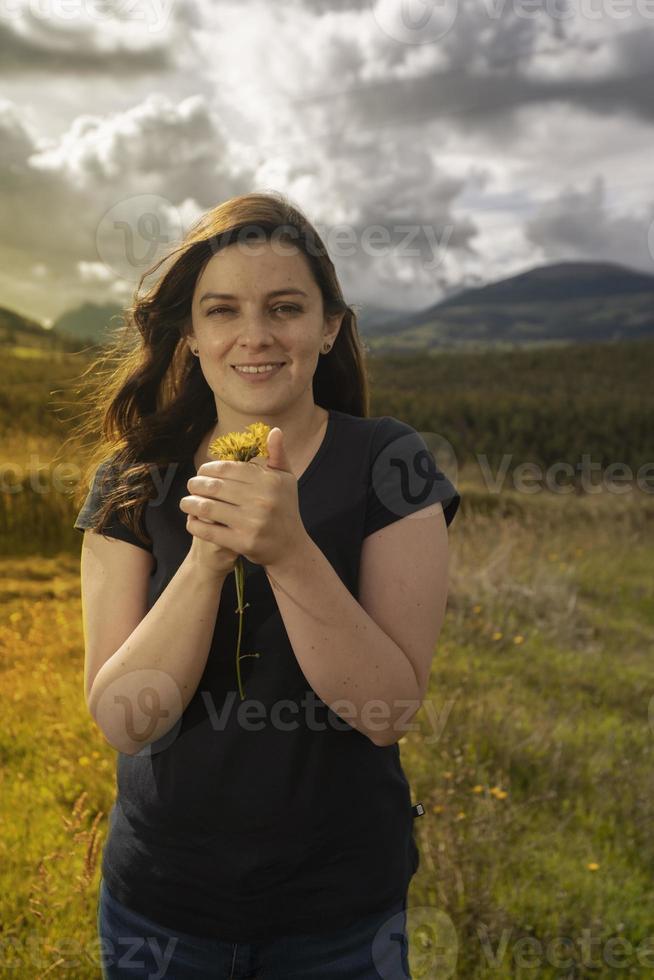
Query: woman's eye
x: 282, y: 306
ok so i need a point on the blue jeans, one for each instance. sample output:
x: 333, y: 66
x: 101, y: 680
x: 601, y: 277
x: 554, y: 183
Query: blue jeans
x: 375, y: 947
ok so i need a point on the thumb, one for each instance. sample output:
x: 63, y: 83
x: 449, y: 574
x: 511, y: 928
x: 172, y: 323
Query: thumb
x: 277, y: 458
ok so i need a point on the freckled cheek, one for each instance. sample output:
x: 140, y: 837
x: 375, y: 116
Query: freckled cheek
x: 216, y: 353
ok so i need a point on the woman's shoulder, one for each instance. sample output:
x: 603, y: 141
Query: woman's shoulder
x: 379, y: 429
x: 368, y: 423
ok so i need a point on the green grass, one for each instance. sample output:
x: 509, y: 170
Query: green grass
x: 533, y: 756
x: 557, y: 722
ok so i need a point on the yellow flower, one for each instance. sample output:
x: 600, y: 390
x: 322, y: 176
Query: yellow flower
x: 438, y: 808
x: 497, y: 636
x: 498, y: 792
x: 593, y: 866
x: 241, y: 447
x: 460, y: 815
x: 478, y: 788
x: 518, y: 639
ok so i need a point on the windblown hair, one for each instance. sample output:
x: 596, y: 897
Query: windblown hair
x: 150, y: 404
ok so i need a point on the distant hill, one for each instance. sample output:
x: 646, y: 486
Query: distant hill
x: 371, y: 318
x: 563, y: 281
x: 12, y: 323
x: 18, y: 331
x: 567, y: 302
x: 560, y: 303
x: 76, y: 329
x: 89, y: 321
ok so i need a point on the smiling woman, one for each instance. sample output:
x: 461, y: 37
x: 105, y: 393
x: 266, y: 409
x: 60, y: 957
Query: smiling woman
x: 257, y: 347
x: 245, y: 835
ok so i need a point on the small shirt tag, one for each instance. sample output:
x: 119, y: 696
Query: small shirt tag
x: 418, y: 810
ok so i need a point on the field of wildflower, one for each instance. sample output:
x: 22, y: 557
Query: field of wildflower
x: 532, y: 754
x: 533, y: 757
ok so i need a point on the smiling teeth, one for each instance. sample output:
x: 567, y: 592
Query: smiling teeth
x: 257, y: 370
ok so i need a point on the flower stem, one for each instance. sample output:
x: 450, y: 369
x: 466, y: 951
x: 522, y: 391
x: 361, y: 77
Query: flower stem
x: 239, y: 576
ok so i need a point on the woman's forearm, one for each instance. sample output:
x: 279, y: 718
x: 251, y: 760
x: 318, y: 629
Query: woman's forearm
x: 350, y: 662
x: 141, y: 691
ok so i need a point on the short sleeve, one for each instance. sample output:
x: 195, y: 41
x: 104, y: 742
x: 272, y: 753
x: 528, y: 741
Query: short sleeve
x: 404, y: 477
x: 113, y: 528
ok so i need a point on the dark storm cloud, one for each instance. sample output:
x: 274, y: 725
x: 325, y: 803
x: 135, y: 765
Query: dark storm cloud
x: 577, y: 224
x: 465, y: 97
x: 493, y: 59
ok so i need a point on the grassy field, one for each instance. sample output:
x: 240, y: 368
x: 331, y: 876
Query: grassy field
x: 534, y: 748
x: 533, y: 756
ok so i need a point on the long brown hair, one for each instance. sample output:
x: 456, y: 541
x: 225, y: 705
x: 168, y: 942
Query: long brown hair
x: 150, y: 404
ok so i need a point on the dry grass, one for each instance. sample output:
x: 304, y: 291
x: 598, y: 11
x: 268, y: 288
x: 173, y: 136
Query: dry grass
x: 533, y: 756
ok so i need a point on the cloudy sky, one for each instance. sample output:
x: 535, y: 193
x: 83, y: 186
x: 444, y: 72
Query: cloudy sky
x: 433, y: 143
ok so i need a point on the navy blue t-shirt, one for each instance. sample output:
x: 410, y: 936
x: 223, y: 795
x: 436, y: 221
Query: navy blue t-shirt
x: 272, y: 815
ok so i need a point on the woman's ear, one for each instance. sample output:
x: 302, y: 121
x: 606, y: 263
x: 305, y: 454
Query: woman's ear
x: 335, y: 321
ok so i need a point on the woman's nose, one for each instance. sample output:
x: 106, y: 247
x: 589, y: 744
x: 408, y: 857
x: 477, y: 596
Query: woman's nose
x: 255, y: 327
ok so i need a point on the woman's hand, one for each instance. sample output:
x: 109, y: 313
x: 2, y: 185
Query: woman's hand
x: 212, y: 557
x: 254, y: 505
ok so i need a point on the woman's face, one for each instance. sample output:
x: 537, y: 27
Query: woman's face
x: 236, y: 321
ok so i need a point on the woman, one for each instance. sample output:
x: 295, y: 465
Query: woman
x: 271, y: 836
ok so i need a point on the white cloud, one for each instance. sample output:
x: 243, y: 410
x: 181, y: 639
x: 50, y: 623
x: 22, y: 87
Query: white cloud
x: 55, y: 194
x: 155, y: 141
x: 465, y: 138
x: 94, y: 272
x: 35, y: 34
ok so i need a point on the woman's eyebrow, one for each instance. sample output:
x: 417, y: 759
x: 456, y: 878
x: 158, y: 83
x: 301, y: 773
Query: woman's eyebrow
x: 274, y: 292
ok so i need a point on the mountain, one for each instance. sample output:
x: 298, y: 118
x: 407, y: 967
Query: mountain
x: 560, y: 282
x: 89, y: 321
x: 559, y: 303
x: 549, y: 305
x: 12, y: 323
x: 21, y: 333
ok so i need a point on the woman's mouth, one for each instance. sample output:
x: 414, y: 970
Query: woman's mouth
x: 258, y: 374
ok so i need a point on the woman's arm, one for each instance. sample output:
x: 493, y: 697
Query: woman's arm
x: 380, y: 673
x: 141, y: 691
